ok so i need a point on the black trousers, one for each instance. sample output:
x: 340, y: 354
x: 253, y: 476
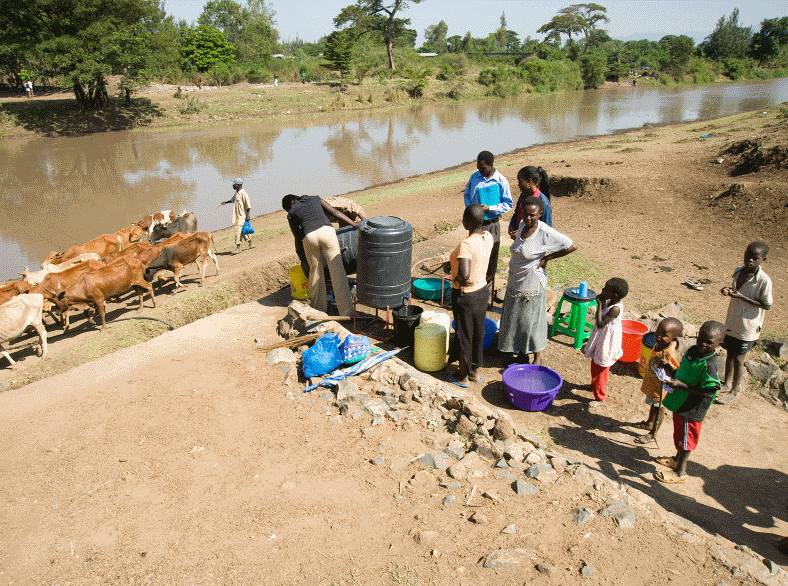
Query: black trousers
x: 494, y: 228
x: 470, y: 310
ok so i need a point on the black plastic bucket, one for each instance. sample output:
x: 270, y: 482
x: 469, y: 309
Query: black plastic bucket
x: 406, y: 318
x: 348, y: 244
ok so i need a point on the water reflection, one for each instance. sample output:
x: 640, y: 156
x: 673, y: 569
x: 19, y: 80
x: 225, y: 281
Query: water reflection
x: 60, y: 191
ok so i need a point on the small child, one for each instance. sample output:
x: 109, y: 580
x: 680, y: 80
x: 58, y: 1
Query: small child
x: 751, y: 296
x: 697, y: 374
x: 665, y: 355
x: 468, y: 267
x: 604, y: 344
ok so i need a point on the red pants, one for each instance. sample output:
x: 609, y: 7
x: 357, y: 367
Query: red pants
x: 686, y: 433
x: 599, y: 380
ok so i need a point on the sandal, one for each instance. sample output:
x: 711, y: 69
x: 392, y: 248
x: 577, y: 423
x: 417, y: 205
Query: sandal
x: 693, y: 285
x: 670, y: 477
x: 476, y: 380
x: 642, y: 425
x: 669, y: 462
x: 449, y: 377
x: 646, y: 438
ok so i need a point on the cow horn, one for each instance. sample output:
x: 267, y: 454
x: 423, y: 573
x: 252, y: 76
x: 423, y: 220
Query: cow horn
x: 59, y: 286
x: 50, y: 291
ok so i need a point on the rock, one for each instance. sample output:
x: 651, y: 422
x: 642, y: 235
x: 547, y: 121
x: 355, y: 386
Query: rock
x: 671, y: 310
x: 378, y: 420
x: 291, y: 378
x: 502, y: 463
x: 504, y: 428
x: 502, y: 558
x: 492, y: 496
x: 772, y: 567
x: 357, y: 414
x: 343, y: 409
x: 346, y: 388
x: 471, y: 466
x: 513, y: 450
x: 533, y: 440
x: 783, y: 352
x: 581, y: 514
x: 326, y: 396
x: 541, y: 472
x: 534, y: 458
x: 378, y: 461
x: 422, y: 479
x: 427, y: 538
x: 454, y: 451
x: 509, y: 529
x: 762, y: 369
x: 438, y: 460
x: 465, y: 426
x: 546, y: 569
x: 473, y: 408
x: 523, y: 488
x: 587, y: 570
x: 559, y: 464
x: 450, y: 485
x: 435, y: 553
x: 478, y: 518
x: 395, y: 416
x: 414, y: 382
x: 390, y: 400
x: 622, y: 513
x: 486, y: 450
x: 504, y: 475
x: 448, y: 500
x: 278, y: 355
x: 375, y: 407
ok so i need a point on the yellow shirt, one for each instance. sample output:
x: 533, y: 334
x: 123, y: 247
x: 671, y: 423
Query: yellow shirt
x: 476, y: 248
x: 240, y: 205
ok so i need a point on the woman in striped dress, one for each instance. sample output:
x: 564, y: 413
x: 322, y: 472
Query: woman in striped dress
x: 524, y: 315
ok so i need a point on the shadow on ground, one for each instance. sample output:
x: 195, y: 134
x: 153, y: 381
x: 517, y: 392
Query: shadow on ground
x: 62, y: 116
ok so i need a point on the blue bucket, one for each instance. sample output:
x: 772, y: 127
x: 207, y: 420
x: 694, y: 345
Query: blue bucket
x: 490, y: 327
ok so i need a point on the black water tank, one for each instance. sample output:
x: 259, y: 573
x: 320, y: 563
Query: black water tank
x: 385, y: 245
x: 348, y: 244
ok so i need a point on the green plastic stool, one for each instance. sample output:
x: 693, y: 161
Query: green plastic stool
x: 576, y: 324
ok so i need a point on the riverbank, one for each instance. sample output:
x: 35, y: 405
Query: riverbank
x: 186, y: 459
x: 166, y: 107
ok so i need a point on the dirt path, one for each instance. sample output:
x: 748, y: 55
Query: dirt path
x: 179, y: 460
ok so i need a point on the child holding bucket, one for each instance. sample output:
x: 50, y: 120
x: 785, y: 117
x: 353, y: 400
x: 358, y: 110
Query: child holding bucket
x: 604, y: 344
x: 468, y: 267
x: 665, y: 355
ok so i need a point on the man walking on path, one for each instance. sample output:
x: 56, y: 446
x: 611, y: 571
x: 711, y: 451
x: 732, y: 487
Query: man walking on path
x: 241, y: 209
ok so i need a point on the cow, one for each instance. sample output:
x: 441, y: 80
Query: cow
x: 95, y: 287
x: 36, y: 277
x: 145, y: 251
x: 132, y: 250
x: 186, y: 222
x: 174, y: 258
x: 130, y: 234
x: 163, y: 218
x: 103, y: 245
x: 16, y: 316
x: 54, y: 281
x: 10, y: 290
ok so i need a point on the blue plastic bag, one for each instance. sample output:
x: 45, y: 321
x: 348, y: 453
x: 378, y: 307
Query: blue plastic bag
x: 355, y: 348
x: 323, y: 357
x: 247, y: 228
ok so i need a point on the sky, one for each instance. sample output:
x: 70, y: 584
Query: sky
x: 629, y: 19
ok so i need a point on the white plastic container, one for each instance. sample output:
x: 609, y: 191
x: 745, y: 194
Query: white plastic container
x: 429, y: 347
x: 438, y: 317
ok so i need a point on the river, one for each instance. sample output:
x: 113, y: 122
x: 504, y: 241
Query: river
x: 61, y: 191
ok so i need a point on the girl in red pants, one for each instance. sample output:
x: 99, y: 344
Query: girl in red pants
x: 604, y: 344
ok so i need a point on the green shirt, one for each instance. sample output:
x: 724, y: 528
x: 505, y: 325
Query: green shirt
x: 699, y: 373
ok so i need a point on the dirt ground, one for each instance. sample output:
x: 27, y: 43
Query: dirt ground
x: 182, y: 460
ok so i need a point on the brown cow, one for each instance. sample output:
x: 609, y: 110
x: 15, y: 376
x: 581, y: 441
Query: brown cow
x: 36, y: 277
x: 174, y: 258
x: 54, y: 281
x: 130, y: 234
x: 161, y: 218
x: 103, y: 245
x: 10, y: 290
x: 144, y: 251
x: 95, y: 287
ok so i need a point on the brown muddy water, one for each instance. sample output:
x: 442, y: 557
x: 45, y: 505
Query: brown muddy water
x: 62, y: 191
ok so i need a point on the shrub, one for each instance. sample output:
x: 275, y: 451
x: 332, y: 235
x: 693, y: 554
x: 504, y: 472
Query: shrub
x: 191, y: 106
x: 446, y: 73
x: 256, y: 74
x: 550, y: 76
x: 702, y: 73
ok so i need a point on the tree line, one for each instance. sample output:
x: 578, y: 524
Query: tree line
x: 79, y: 44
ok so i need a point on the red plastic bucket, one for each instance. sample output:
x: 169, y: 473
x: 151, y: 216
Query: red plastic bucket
x: 631, y: 341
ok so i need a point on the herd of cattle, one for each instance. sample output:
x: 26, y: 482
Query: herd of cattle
x: 86, y: 275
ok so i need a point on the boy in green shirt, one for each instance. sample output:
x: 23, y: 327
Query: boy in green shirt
x: 695, y: 385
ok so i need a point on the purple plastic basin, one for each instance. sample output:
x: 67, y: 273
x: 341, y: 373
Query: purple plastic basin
x: 531, y: 387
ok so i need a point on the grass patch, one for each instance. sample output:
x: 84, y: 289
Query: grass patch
x: 573, y: 269
x: 443, y: 227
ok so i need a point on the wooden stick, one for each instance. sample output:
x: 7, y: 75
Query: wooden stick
x: 470, y: 496
x: 290, y: 343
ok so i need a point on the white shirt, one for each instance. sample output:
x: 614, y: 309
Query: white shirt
x: 525, y: 274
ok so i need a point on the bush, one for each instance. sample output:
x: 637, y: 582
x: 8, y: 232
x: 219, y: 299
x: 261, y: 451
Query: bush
x: 593, y: 68
x: 191, y: 106
x: 736, y: 69
x: 702, y: 73
x: 256, y: 74
x: 550, y: 76
x: 458, y: 62
x: 446, y: 73
x: 457, y: 91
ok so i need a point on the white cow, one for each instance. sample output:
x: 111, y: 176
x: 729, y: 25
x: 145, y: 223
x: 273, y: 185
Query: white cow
x: 37, y: 277
x: 16, y: 316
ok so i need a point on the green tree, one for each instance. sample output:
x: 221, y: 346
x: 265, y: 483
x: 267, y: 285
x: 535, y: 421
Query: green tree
x: 768, y: 41
x: 339, y: 53
x: 84, y: 41
x: 377, y: 15
x: 206, y: 46
x: 435, y: 38
x: 677, y: 54
x: 590, y: 14
x: 593, y: 69
x: 562, y: 24
x: 729, y: 40
x: 250, y: 29
x: 454, y: 44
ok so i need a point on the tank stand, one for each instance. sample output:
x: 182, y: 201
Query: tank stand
x: 377, y: 317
